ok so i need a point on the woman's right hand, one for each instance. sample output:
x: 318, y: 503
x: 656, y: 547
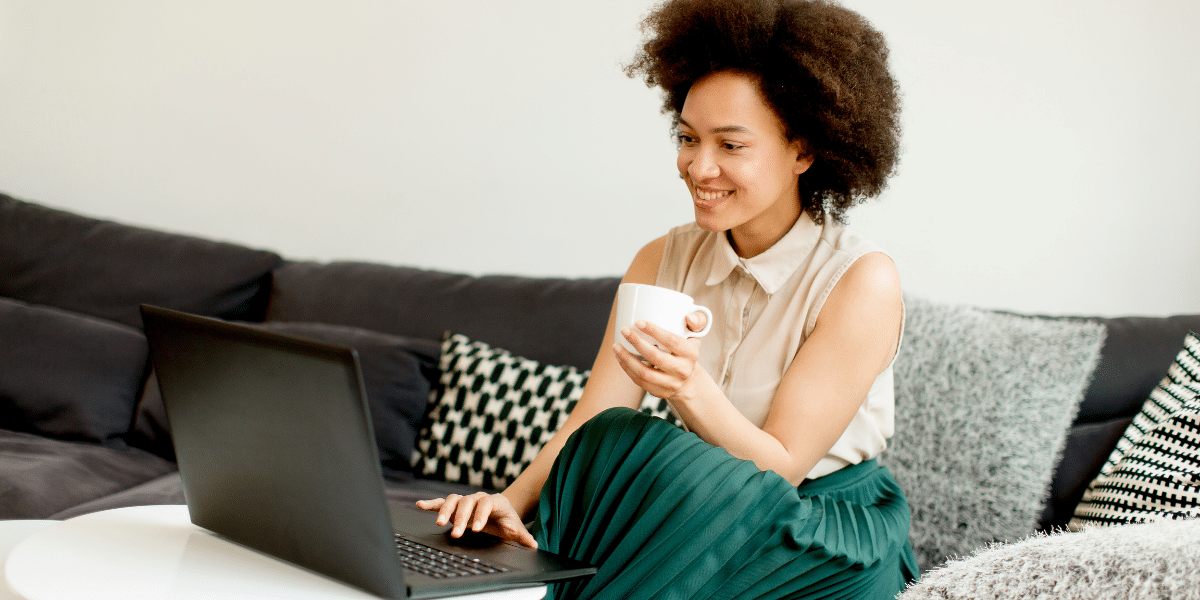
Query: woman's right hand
x: 489, y: 513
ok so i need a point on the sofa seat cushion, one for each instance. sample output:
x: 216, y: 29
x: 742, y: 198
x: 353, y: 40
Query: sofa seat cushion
x: 68, y: 375
x: 43, y: 476
x: 550, y: 320
x: 415, y: 488
x: 107, y: 269
x: 168, y: 489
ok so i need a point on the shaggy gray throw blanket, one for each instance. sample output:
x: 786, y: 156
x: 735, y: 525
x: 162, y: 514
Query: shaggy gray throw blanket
x: 983, y: 403
x: 1128, y: 562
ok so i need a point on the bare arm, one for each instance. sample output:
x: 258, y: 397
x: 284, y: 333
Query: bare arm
x: 503, y: 514
x: 852, y: 343
x: 606, y: 388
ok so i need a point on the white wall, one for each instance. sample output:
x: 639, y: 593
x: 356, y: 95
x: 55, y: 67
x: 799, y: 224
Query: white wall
x: 1049, y: 166
x: 1052, y: 153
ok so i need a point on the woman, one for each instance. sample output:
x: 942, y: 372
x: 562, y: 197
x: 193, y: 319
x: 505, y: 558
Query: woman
x: 786, y: 117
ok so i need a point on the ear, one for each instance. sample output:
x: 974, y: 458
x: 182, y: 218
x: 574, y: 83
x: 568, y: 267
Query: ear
x: 804, y: 158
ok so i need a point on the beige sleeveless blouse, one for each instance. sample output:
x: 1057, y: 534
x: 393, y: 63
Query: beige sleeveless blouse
x: 763, y: 309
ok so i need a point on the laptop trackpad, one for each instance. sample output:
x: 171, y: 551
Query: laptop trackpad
x: 527, y: 564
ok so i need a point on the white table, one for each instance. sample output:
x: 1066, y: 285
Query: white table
x: 154, y: 552
x: 11, y: 534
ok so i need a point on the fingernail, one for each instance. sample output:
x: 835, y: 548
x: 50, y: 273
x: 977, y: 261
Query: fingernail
x: 641, y: 324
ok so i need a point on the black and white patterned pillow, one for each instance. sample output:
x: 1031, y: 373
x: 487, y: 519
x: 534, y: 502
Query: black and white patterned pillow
x: 491, y: 413
x: 1154, y: 472
x: 657, y: 407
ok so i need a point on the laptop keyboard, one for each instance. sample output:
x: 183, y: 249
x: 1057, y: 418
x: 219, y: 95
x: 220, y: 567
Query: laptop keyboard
x: 439, y: 563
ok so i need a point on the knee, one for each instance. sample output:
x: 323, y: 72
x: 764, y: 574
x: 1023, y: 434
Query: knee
x: 624, y: 427
x: 619, y: 418
x: 616, y: 414
x: 606, y: 421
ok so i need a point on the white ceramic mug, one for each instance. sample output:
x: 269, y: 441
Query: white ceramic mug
x: 653, y: 304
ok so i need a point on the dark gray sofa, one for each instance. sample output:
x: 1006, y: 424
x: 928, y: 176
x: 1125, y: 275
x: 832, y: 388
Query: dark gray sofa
x: 81, y: 426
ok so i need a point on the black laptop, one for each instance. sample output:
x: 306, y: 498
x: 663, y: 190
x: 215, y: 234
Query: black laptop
x: 276, y: 452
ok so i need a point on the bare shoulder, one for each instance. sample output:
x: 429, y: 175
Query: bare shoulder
x: 866, y: 306
x: 644, y: 268
x: 872, y: 278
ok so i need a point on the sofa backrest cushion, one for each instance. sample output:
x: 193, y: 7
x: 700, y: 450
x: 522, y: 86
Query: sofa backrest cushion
x: 553, y: 321
x: 1136, y: 355
x: 398, y: 374
x: 67, y: 375
x: 106, y: 269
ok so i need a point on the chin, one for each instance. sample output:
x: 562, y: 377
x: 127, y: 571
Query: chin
x: 709, y: 223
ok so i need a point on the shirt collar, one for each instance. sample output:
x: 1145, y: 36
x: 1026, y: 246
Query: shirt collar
x: 772, y: 268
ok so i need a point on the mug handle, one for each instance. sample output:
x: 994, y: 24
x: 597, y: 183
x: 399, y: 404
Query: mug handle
x: 707, y: 322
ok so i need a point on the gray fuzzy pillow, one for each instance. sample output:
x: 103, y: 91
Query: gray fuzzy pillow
x: 983, y: 403
x: 1127, y: 562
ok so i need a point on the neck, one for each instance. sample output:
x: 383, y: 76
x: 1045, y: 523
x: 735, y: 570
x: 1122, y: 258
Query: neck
x: 751, y: 239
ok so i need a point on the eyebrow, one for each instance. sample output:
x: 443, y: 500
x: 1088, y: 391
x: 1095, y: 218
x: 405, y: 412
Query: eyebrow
x: 723, y: 129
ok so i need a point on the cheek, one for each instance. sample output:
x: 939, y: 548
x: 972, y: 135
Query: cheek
x: 768, y: 176
x: 745, y: 176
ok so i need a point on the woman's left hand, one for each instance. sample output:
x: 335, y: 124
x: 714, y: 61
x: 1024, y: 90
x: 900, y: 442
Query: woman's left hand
x: 666, y: 373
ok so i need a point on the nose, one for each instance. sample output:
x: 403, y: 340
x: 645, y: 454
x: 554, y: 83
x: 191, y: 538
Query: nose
x: 702, y: 166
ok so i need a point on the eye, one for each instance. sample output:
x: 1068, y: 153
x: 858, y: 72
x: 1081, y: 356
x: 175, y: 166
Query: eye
x: 684, y: 138
x: 732, y: 146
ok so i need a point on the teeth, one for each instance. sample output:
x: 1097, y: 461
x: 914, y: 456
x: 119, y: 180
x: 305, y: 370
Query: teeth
x: 710, y: 196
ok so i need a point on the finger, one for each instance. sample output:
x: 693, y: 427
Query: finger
x: 483, y: 511
x: 652, y: 329
x: 636, y: 340
x: 640, y: 373
x: 696, y: 321
x: 528, y: 540
x: 648, y: 351
x: 433, y: 504
x: 462, y: 516
x: 447, y: 510
x: 674, y: 344
x: 633, y: 366
x: 661, y: 361
x: 523, y: 537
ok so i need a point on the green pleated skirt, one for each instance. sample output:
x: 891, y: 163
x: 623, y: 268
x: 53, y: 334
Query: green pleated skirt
x: 664, y: 514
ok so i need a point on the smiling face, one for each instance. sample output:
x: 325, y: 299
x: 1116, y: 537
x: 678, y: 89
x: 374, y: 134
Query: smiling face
x: 740, y: 168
